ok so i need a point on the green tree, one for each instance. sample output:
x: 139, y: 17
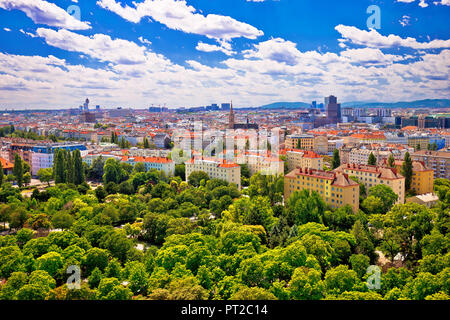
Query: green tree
x: 305, y: 206
x: 18, y: 171
x: 340, y: 279
x: 45, y: 175
x: 306, y: 284
x: 360, y: 263
x: 78, y: 176
x: 95, y: 278
x: 372, y: 160
x: 336, y: 161
x: 100, y: 193
x: 2, y: 174
x: 254, y: 293
x: 407, y: 171
x: 95, y: 258
x: 62, y: 220
x: 196, y: 177
x: 387, y: 196
x: 51, y: 262
x: 391, y: 161
x: 58, y: 166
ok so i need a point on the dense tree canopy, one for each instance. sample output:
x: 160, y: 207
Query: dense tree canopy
x: 144, y: 235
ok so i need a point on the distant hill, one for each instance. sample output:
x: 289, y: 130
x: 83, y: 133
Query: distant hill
x: 428, y: 103
x: 286, y: 105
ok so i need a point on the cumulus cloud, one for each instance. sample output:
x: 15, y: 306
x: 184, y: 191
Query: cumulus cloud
x: 424, y: 4
x: 206, y: 47
x: 43, y: 12
x: 178, y: 15
x: 375, y: 40
x: 99, y: 46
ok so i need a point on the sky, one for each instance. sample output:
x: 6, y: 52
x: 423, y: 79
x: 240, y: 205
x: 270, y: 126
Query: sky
x: 186, y: 53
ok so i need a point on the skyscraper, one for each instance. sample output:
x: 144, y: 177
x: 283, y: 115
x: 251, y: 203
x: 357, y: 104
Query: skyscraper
x: 333, y: 109
x: 86, y: 105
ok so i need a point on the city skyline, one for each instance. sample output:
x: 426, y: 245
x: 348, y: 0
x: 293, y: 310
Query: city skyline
x: 190, y: 53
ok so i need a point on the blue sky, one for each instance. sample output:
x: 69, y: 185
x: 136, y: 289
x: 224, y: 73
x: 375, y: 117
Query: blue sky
x: 197, y: 52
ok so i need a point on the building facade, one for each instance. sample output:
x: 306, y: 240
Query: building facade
x: 335, y: 188
x: 216, y: 169
x: 303, y: 159
x: 371, y: 176
x: 158, y: 163
x: 438, y: 161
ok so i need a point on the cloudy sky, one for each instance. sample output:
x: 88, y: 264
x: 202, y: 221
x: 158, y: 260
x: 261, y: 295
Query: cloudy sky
x: 54, y: 54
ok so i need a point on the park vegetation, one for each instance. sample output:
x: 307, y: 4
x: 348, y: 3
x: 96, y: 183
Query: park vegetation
x: 145, y: 235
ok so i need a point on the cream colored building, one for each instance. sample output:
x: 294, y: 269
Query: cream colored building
x: 303, y: 159
x: 335, y: 188
x: 371, y: 176
x: 265, y: 164
x: 215, y: 169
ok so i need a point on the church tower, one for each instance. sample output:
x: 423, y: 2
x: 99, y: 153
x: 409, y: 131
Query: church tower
x: 231, y: 117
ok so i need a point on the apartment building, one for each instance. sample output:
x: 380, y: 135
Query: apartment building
x: 439, y: 161
x: 335, y: 188
x: 158, y: 163
x: 266, y: 164
x: 299, y: 141
x: 419, y: 141
x: 371, y: 176
x: 42, y: 155
x: 216, y: 169
x: 377, y: 137
x: 7, y: 166
x: 303, y: 159
x: 422, y: 179
x: 361, y: 156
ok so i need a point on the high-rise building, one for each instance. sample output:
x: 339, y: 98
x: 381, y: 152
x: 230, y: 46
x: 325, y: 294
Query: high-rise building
x: 86, y: 105
x: 333, y: 109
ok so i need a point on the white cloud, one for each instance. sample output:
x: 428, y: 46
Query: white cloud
x: 424, y: 4
x: 98, y: 46
x: 206, y: 47
x: 28, y: 33
x: 375, y: 40
x: 178, y: 15
x: 144, y: 41
x: 369, y: 56
x: 43, y: 12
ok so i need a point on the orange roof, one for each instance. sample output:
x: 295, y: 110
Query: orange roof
x: 147, y: 159
x: 6, y: 164
x: 409, y: 128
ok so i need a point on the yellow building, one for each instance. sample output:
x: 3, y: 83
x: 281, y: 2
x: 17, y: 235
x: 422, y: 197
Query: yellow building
x: 422, y: 179
x: 299, y: 141
x: 216, y: 169
x: 371, y: 176
x: 303, y: 159
x: 335, y: 188
x: 414, y: 141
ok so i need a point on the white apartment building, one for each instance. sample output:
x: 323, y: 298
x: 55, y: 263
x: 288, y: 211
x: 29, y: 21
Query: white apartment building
x: 215, y: 169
